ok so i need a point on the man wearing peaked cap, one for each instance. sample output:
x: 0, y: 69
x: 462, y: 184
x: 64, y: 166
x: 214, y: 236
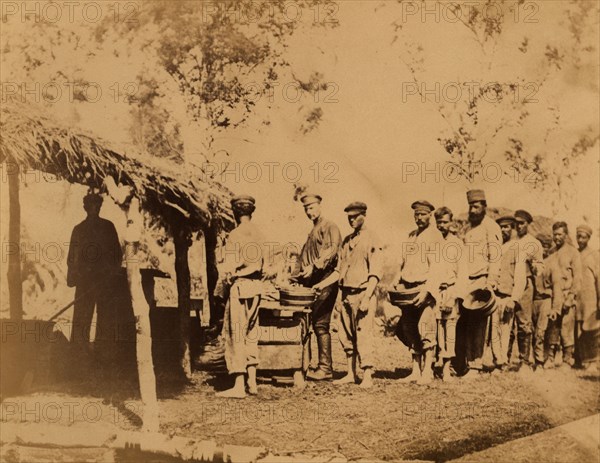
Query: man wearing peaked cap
x: 308, y: 198
x: 547, y: 287
x: 511, y: 286
x: 532, y: 251
x: 317, y: 262
x: 242, y: 200
x: 422, y: 206
x: 506, y: 219
x: 359, y: 270
x: 419, y: 271
x: 356, y: 207
x: 524, y: 215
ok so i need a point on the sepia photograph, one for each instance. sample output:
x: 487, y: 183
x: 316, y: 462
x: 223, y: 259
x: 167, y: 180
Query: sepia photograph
x: 300, y: 231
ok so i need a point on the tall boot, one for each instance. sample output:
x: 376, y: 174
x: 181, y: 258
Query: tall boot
x: 324, y: 370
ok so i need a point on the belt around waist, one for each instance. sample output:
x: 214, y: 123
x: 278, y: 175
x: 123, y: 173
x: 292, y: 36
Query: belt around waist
x: 348, y: 290
x: 413, y: 284
x: 477, y: 277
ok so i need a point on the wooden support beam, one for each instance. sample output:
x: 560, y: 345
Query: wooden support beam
x: 212, y: 273
x: 123, y: 196
x: 182, y: 241
x: 14, y: 280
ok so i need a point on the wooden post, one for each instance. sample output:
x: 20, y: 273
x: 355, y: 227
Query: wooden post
x: 205, y: 315
x: 212, y: 273
x: 123, y: 196
x: 15, y: 284
x: 182, y: 241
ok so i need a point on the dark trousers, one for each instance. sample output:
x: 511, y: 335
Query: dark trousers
x: 322, y: 309
x: 524, y: 323
x: 89, y: 295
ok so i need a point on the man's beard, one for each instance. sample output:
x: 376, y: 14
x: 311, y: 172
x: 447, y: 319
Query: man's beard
x: 476, y: 218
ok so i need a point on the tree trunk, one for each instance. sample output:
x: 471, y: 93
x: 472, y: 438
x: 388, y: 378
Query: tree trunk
x: 181, y: 238
x: 141, y: 310
x: 15, y: 284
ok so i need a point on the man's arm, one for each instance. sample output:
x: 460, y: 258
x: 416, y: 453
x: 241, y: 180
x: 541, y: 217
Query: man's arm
x: 494, y: 253
x: 577, y: 272
x: 520, y: 278
x: 115, y: 246
x: 332, y: 240
x: 72, y: 261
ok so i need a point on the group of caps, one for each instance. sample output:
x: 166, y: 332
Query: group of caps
x: 248, y: 202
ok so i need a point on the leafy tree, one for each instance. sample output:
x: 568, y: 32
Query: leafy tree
x: 513, y: 91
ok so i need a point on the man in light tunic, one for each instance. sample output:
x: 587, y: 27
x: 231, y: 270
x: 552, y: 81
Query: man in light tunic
x: 532, y: 252
x: 242, y: 268
x: 446, y: 309
x: 417, y: 326
x: 483, y: 252
x: 568, y: 265
x: 511, y: 286
x: 359, y: 270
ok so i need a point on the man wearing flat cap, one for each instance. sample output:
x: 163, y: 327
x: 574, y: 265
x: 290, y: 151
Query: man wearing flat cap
x: 562, y: 318
x: 359, y: 271
x: 547, y: 287
x: 511, y: 286
x: 446, y: 310
x: 318, y: 261
x: 483, y: 245
x: 532, y: 251
x: 242, y: 273
x: 94, y: 262
x: 421, y: 254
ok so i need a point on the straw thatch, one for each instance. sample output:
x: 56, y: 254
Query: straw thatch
x: 171, y: 196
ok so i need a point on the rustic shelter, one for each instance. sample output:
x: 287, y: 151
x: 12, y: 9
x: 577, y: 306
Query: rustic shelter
x: 181, y: 199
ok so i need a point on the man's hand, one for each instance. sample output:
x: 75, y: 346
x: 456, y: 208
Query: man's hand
x: 229, y: 278
x: 421, y: 298
x: 509, y: 304
x: 318, y: 287
x: 307, y: 271
x: 492, y: 285
x: 364, y: 304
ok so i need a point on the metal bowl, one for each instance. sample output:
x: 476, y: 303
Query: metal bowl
x: 297, y: 296
x: 480, y: 300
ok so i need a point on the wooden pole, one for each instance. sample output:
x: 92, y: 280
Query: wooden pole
x: 212, y: 273
x: 141, y: 310
x: 15, y: 284
x: 182, y: 241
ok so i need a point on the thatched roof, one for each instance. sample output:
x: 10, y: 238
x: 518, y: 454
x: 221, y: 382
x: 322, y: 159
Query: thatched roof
x: 170, y: 195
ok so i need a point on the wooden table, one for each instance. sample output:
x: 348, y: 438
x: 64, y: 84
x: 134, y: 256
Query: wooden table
x: 284, y: 342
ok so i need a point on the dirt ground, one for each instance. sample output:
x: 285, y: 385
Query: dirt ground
x: 391, y: 422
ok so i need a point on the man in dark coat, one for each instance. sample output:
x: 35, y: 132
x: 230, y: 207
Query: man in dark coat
x: 94, y: 261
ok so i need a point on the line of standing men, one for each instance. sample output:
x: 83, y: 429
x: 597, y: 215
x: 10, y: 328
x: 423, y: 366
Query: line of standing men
x: 536, y: 294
